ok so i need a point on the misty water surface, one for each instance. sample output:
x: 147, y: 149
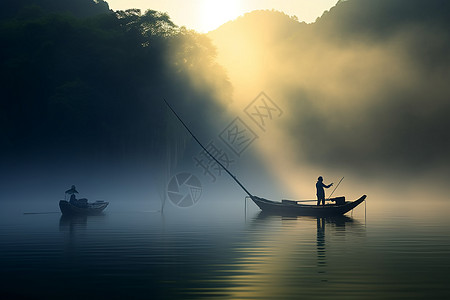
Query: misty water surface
x: 213, y: 250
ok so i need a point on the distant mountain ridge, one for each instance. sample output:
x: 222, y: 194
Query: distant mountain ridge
x: 349, y: 17
x: 366, y: 77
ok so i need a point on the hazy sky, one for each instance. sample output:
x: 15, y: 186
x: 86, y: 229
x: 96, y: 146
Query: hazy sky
x: 206, y: 15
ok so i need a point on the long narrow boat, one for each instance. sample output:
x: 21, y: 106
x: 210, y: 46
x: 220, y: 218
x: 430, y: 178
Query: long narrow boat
x: 285, y: 206
x: 296, y: 208
x: 94, y: 208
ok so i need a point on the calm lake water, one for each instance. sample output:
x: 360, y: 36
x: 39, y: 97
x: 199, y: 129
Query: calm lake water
x: 387, y: 250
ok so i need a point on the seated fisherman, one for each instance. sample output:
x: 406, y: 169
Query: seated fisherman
x: 73, y: 200
x: 72, y: 191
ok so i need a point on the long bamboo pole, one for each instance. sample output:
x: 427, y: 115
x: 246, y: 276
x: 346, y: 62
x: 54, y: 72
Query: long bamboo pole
x: 217, y: 161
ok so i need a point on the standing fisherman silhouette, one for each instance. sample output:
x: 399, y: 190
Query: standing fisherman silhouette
x: 320, y: 191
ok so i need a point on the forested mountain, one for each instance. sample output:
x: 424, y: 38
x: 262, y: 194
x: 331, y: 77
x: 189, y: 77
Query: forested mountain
x: 79, y: 79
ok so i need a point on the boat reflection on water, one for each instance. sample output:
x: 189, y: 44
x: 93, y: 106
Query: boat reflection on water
x: 337, y: 226
x: 339, y: 223
x: 321, y: 248
x: 74, y: 223
x: 291, y: 257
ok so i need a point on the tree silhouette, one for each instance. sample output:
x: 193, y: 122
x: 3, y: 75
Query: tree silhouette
x: 94, y: 84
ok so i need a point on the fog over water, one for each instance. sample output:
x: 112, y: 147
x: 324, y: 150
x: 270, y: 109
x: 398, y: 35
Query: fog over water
x: 361, y: 93
x: 363, y: 88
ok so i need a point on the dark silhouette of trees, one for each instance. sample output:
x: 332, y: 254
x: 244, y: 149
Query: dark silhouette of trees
x: 78, y: 8
x: 90, y: 81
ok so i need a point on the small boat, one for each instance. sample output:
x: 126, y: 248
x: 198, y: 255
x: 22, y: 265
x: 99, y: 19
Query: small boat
x: 296, y: 208
x: 86, y: 208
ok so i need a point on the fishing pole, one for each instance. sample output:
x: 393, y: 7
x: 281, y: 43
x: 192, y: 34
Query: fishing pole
x: 335, y: 188
x: 203, y: 147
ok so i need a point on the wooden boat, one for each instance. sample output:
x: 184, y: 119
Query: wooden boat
x: 87, y: 208
x: 285, y: 206
x: 296, y: 208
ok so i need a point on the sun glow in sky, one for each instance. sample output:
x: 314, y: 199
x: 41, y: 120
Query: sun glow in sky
x: 207, y: 15
x: 215, y: 13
